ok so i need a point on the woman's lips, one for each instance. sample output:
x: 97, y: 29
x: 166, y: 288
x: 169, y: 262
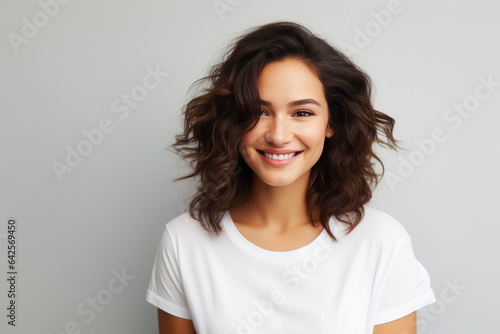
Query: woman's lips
x: 279, y: 163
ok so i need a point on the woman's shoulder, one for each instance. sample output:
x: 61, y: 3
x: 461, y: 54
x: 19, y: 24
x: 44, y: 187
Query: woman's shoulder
x: 182, y: 223
x: 186, y: 227
x: 378, y: 225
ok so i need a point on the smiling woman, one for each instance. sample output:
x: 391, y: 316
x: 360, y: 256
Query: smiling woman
x: 294, y: 119
x: 279, y: 237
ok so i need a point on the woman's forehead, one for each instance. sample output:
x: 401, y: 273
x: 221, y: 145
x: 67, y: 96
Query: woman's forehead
x: 289, y: 80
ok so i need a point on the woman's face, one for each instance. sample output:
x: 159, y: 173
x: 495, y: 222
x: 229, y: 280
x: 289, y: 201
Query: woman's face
x: 294, y: 119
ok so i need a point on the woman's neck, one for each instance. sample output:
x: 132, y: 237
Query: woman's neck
x: 276, y: 208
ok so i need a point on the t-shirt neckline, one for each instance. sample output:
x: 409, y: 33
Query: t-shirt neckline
x: 265, y: 254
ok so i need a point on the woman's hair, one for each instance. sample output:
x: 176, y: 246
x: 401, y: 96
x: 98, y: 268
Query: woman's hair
x: 215, y: 120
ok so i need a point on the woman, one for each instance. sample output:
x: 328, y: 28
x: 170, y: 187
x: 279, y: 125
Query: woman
x: 278, y: 238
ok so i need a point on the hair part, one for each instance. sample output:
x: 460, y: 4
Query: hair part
x: 215, y: 120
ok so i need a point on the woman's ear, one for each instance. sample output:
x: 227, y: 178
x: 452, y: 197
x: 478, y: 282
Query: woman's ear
x: 329, y: 131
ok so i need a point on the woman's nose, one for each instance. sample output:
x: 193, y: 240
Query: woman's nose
x: 278, y: 131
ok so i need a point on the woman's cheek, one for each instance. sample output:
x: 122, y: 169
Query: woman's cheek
x: 311, y: 134
x: 243, y: 149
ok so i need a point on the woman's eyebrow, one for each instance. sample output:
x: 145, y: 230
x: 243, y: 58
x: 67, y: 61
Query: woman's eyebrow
x: 293, y: 103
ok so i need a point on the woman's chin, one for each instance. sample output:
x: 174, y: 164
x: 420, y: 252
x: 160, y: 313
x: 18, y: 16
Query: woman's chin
x: 278, y: 180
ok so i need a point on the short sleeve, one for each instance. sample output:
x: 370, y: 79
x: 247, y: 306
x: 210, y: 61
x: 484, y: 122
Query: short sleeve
x: 165, y: 288
x: 406, y: 288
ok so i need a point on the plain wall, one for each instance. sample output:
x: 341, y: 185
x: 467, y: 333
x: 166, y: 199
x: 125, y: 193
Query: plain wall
x: 69, y: 71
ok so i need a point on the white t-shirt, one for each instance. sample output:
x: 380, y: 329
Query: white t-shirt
x: 228, y: 285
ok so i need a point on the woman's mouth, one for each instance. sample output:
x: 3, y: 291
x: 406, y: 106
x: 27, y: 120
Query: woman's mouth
x: 279, y: 160
x: 279, y: 156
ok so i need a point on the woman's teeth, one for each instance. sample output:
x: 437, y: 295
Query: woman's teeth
x: 279, y: 157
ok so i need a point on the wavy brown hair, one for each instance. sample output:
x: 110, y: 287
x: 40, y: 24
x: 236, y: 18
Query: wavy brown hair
x: 215, y: 120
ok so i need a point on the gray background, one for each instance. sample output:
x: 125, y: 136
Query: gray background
x: 106, y: 216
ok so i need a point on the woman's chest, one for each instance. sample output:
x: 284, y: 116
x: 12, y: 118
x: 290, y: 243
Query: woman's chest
x: 319, y: 293
x: 279, y: 242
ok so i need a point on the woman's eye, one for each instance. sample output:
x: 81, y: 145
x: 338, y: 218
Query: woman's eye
x: 303, y: 113
x: 262, y: 111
